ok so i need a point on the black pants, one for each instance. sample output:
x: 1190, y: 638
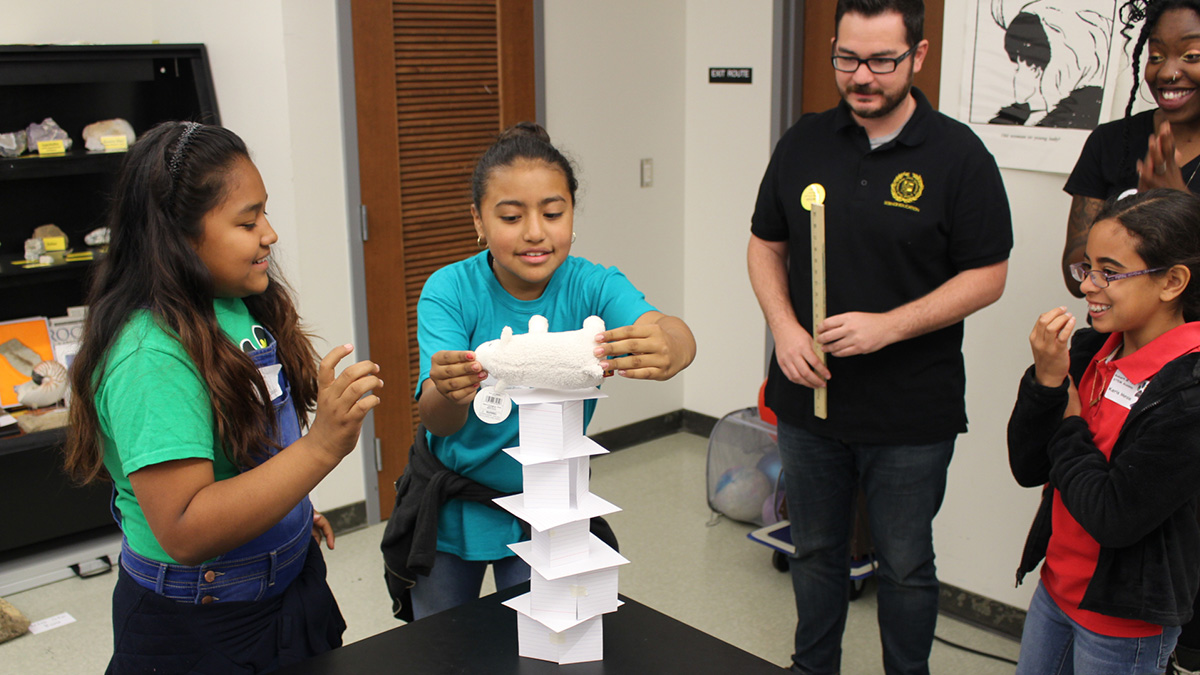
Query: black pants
x: 154, y: 634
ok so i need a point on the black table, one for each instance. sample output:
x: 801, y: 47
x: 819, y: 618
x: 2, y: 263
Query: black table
x: 481, y: 637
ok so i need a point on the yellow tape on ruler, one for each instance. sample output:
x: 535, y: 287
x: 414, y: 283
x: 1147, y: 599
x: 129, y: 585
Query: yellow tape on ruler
x: 817, y: 219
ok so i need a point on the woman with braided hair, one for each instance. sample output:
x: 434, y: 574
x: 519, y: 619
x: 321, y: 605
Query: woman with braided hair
x: 1155, y: 148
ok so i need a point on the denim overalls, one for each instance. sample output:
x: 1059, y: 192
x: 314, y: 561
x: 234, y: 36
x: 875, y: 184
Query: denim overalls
x: 261, y: 568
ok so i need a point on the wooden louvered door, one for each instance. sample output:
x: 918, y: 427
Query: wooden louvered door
x: 435, y: 82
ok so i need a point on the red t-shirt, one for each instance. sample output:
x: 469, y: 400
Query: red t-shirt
x: 1107, y: 391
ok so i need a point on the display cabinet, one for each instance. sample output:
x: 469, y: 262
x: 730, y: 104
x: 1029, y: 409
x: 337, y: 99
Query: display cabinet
x: 75, y: 85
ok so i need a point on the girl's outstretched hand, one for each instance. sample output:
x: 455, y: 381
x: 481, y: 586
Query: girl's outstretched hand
x: 457, y: 375
x: 655, y: 347
x: 342, y: 402
x: 1050, y: 341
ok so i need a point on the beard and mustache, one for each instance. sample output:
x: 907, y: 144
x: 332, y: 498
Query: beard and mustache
x: 890, y: 101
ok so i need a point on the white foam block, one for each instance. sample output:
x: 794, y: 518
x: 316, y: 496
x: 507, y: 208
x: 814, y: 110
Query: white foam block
x: 600, y: 556
x: 589, y: 507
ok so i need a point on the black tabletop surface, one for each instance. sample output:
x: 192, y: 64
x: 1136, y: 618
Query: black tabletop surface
x: 481, y: 637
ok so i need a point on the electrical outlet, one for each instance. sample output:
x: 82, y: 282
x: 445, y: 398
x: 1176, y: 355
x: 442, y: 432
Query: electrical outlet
x: 647, y: 172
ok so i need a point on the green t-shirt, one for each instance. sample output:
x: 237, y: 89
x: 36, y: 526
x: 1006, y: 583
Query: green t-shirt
x: 153, y: 407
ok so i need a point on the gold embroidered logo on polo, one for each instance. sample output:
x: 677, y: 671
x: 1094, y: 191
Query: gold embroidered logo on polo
x: 906, y: 189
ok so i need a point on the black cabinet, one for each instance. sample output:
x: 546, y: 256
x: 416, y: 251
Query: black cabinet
x: 76, y: 85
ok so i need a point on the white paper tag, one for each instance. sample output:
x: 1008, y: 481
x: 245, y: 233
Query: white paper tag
x: 50, y: 623
x: 270, y: 375
x: 492, y: 406
x: 1124, y: 392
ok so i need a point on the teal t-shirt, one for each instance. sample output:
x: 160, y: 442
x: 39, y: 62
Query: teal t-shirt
x: 153, y: 407
x: 462, y: 306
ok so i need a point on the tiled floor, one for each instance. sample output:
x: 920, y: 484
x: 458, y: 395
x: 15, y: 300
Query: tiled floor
x: 709, y: 576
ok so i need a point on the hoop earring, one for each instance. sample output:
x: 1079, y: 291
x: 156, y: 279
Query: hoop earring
x: 573, y: 236
x: 480, y: 241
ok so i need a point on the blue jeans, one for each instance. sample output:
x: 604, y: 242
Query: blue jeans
x: 904, y: 486
x: 1053, y: 644
x: 454, y: 581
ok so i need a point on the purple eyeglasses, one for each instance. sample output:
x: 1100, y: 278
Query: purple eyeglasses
x: 1082, y: 270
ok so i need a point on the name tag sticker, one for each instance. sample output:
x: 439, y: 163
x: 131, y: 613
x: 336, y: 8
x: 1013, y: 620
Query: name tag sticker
x: 114, y: 143
x: 1124, y: 392
x: 270, y: 375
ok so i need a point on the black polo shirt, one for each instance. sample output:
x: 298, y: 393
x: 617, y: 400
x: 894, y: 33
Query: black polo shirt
x: 899, y: 222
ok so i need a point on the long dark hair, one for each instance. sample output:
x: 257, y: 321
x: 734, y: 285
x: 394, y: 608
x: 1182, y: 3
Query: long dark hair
x: 1149, y: 12
x: 172, y: 176
x: 1166, y: 225
x: 524, y: 141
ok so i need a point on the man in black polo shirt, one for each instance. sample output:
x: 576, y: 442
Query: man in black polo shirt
x: 917, y: 237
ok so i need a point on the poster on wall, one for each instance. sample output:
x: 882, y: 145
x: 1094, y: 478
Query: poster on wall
x: 1039, y: 75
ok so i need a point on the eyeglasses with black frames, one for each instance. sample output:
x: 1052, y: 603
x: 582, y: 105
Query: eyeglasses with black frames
x: 880, y: 65
x: 1082, y: 270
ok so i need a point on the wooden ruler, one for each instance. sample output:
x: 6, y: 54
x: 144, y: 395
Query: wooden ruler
x: 817, y: 219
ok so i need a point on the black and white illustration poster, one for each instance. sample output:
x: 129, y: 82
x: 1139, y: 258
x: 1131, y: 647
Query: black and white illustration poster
x: 1039, y: 77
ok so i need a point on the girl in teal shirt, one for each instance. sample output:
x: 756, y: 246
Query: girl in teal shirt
x: 523, y: 192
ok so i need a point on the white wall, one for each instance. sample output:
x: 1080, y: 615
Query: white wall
x: 274, y: 67
x: 614, y: 95
x: 982, y: 526
x: 728, y: 146
x: 627, y: 80
x: 75, y: 21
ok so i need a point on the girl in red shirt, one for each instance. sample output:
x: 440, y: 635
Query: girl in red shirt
x: 1111, y: 428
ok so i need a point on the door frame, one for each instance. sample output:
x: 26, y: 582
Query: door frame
x: 358, y: 268
x: 354, y: 225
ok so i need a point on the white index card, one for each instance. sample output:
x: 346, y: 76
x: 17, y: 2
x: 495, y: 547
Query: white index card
x: 526, y: 395
x: 579, y: 644
x: 586, y: 447
x: 580, y: 596
x: 551, y: 428
x: 590, y: 506
x: 581, y: 469
x: 50, y: 623
x: 600, y: 556
x: 563, y: 544
x: 547, y: 485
